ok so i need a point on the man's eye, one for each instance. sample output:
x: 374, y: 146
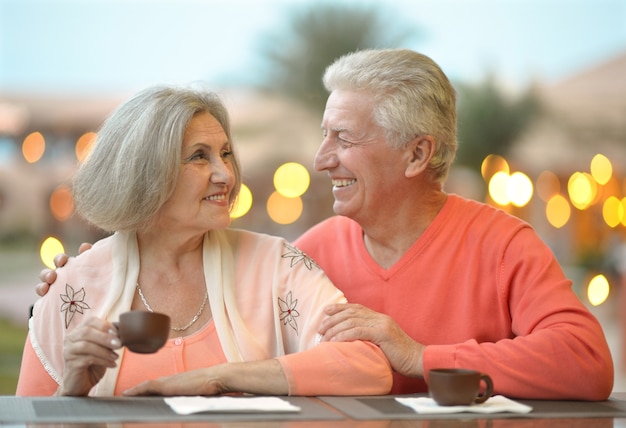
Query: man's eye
x: 344, y: 143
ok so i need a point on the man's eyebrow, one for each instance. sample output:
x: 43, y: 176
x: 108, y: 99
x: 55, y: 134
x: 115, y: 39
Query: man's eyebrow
x: 335, y: 128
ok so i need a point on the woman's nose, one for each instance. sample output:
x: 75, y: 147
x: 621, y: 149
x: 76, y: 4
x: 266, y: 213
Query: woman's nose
x: 222, y: 173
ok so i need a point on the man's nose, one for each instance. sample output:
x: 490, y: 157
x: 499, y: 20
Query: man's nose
x: 325, y: 156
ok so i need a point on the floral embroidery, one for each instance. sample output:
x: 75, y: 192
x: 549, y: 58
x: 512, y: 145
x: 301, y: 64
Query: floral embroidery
x: 73, y: 301
x: 288, y: 312
x: 297, y: 255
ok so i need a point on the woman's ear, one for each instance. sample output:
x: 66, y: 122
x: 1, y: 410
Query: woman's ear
x: 421, y: 151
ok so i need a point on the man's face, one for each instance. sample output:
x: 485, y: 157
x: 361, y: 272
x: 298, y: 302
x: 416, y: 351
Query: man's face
x: 366, y: 173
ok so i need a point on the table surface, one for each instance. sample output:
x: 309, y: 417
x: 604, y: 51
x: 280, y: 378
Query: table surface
x: 318, y: 412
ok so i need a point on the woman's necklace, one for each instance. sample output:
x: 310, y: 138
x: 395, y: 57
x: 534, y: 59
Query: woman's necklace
x: 186, y: 326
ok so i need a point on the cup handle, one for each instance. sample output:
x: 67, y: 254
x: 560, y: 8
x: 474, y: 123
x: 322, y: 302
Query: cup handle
x: 116, y: 324
x: 481, y: 398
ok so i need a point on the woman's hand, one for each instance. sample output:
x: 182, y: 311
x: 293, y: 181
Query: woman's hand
x: 264, y: 377
x: 48, y: 276
x: 196, y: 382
x: 347, y: 322
x: 88, y: 351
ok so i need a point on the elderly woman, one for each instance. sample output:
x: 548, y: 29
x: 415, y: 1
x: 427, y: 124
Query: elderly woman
x: 244, y: 306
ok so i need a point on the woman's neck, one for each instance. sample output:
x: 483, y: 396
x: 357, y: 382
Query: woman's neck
x: 171, y: 277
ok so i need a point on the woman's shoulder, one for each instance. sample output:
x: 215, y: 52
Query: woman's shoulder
x: 264, y: 248
x: 246, y: 237
x: 89, y: 268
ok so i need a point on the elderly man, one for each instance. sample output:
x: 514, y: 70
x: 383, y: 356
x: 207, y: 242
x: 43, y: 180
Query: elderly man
x: 434, y: 279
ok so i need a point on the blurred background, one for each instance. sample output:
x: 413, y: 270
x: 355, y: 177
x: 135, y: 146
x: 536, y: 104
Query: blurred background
x: 542, y: 117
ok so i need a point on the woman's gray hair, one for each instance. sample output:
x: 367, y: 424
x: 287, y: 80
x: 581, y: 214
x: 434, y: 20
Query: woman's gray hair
x: 412, y: 97
x: 133, y: 166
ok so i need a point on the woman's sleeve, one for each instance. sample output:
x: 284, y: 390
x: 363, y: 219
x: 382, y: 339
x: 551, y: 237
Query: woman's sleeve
x: 326, y: 368
x: 338, y: 368
x: 34, y: 380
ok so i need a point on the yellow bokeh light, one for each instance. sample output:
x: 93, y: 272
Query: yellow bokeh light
x: 558, y: 211
x: 61, y: 203
x: 50, y: 248
x: 548, y: 185
x: 243, y: 202
x: 612, y: 211
x: 493, y: 164
x: 33, y: 147
x: 601, y: 169
x: 498, y: 185
x: 284, y: 210
x: 291, y: 179
x: 598, y: 290
x: 83, y: 145
x: 519, y: 189
x: 623, y: 211
x: 582, y: 190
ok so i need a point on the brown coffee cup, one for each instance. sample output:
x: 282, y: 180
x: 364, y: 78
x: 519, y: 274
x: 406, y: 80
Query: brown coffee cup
x: 143, y: 332
x: 458, y: 387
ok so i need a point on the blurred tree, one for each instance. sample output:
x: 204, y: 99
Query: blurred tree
x: 317, y: 33
x: 489, y: 121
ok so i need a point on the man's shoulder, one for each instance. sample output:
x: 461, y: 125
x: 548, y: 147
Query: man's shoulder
x: 333, y: 226
x: 481, y: 212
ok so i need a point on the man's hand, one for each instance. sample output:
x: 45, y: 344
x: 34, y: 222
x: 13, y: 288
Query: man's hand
x: 347, y: 322
x: 48, y: 276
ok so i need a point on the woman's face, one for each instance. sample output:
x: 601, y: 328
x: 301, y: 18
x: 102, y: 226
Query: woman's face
x: 200, y: 201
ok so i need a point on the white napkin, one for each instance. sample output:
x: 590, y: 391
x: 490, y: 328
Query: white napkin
x: 189, y: 405
x: 495, y: 404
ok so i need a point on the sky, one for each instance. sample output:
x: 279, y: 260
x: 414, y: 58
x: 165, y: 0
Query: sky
x: 108, y: 45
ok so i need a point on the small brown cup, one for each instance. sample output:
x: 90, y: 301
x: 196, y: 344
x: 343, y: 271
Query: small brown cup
x: 458, y: 387
x: 143, y: 332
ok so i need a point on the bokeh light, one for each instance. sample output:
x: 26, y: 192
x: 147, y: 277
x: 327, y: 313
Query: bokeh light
x: 83, y: 145
x: 284, y: 210
x: 493, y: 164
x: 601, y: 169
x: 548, y: 185
x: 598, y: 290
x: 516, y: 189
x: 291, y: 179
x: 558, y: 211
x: 498, y: 184
x: 61, y: 203
x: 612, y: 211
x: 50, y: 248
x: 519, y: 189
x: 582, y: 190
x: 33, y: 147
x: 243, y: 202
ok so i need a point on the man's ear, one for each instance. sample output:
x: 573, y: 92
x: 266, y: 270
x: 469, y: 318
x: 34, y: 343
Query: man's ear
x: 420, y: 152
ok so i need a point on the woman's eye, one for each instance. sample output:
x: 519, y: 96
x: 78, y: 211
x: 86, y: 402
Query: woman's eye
x: 196, y: 157
x: 227, y: 153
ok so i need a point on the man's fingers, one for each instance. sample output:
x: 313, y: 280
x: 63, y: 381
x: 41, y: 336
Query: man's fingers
x: 60, y: 260
x: 42, y: 288
x: 84, y: 247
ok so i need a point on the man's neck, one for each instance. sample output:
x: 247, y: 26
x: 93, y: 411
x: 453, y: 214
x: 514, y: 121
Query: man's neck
x: 388, y: 241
